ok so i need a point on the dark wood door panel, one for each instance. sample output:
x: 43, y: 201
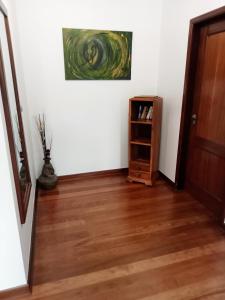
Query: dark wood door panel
x: 209, y: 146
x: 215, y: 205
x: 207, y: 171
x: 211, y: 101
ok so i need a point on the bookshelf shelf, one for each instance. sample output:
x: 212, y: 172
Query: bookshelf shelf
x: 141, y: 122
x: 141, y: 141
x: 140, y: 161
x: 144, y: 138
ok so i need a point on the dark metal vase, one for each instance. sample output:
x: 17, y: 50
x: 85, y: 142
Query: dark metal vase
x: 47, y: 180
x: 22, y: 172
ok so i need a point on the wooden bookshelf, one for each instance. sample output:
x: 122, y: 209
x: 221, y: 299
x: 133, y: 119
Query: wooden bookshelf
x: 144, y: 139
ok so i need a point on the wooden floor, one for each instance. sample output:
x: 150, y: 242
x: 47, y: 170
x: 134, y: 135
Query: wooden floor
x: 104, y: 238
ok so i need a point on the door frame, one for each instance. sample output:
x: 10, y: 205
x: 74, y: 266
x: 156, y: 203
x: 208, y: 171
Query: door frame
x: 187, y: 103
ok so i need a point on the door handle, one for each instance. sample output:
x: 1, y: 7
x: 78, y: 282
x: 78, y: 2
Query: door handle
x: 194, y: 119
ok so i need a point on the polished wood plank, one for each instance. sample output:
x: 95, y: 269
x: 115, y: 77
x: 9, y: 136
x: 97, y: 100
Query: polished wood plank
x: 15, y: 293
x: 105, y: 238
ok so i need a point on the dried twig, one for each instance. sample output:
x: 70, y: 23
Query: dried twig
x: 41, y: 126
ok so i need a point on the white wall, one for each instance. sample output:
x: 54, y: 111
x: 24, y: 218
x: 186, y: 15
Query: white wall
x: 174, y: 38
x: 25, y: 229
x: 14, y: 237
x: 88, y: 119
x: 11, y: 261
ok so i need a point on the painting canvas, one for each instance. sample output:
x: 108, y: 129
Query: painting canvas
x: 97, y: 54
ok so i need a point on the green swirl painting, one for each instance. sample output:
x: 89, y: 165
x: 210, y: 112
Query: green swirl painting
x: 97, y: 54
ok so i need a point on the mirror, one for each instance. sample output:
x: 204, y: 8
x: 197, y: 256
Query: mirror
x: 13, y: 117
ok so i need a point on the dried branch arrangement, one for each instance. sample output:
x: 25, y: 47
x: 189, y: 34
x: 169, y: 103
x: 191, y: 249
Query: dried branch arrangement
x: 41, y: 125
x: 48, y: 178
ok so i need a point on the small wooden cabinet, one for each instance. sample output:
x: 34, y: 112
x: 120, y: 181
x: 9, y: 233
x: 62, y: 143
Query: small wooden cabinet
x: 144, y: 138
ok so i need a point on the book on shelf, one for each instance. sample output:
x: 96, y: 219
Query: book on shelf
x: 139, y: 112
x: 144, y: 113
x: 149, y: 114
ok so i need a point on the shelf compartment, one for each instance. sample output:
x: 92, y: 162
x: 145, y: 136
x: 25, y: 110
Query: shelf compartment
x: 140, y: 134
x: 135, y: 105
x: 140, y: 153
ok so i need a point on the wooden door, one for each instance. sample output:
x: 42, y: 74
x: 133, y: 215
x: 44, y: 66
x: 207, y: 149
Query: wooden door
x: 205, y: 171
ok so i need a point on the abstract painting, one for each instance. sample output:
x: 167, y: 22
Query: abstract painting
x: 97, y: 54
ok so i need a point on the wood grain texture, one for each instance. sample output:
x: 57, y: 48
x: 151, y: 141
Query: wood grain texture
x: 190, y: 73
x: 201, y: 151
x: 104, y: 238
x: 15, y: 293
x: 91, y: 174
x: 211, y: 104
x: 205, y: 171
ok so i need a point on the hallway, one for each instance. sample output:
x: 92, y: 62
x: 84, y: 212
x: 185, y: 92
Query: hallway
x: 104, y: 238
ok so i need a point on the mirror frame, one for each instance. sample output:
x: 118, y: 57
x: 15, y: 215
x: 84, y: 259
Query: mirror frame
x: 22, y: 201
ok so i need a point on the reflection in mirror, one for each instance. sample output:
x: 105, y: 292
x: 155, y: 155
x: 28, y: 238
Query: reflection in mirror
x: 20, y: 158
x: 13, y: 117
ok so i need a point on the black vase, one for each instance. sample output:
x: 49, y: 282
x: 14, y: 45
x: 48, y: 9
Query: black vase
x: 47, y: 180
x: 22, y: 172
